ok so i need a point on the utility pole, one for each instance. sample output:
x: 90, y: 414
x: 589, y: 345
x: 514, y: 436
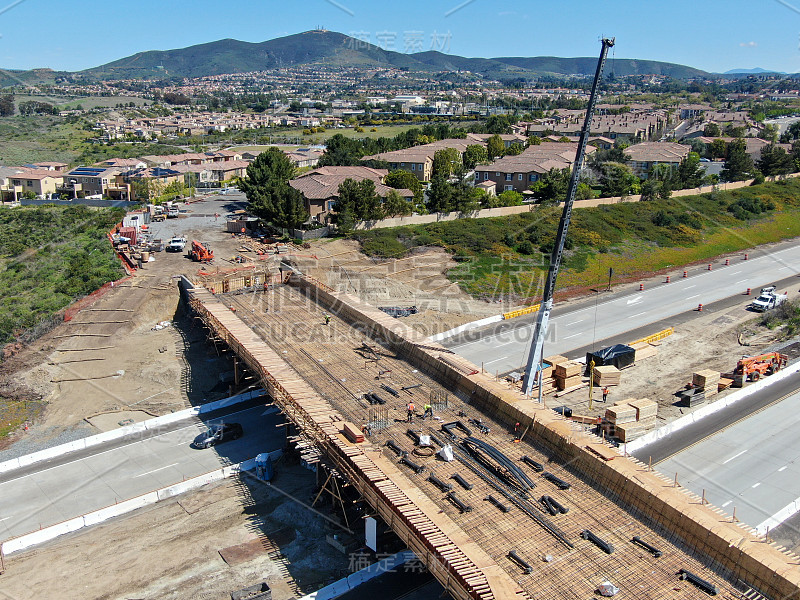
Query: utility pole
x: 534, y: 368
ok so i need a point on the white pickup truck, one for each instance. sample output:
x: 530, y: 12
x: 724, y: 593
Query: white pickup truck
x: 768, y: 299
x: 176, y: 244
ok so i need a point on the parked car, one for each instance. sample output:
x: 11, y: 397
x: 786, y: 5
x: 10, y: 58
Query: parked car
x: 176, y: 244
x: 173, y: 213
x: 217, y: 434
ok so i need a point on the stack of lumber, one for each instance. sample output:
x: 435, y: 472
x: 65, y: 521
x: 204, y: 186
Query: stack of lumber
x: 548, y: 372
x: 645, y: 411
x: 724, y: 383
x: 644, y: 350
x: 606, y: 375
x: 617, y: 415
x: 707, y: 380
x: 567, y: 375
x: 351, y: 432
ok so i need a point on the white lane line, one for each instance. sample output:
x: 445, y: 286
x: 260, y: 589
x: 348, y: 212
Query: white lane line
x: 688, y: 287
x: 740, y: 281
x: 495, y: 360
x: 783, y: 468
x: 154, y: 470
x: 505, y: 344
x: 755, y: 485
x: 726, y: 504
x: 5, y: 518
x: 734, y: 456
x: 575, y: 322
x: 695, y: 296
x: 638, y: 314
x: 572, y: 336
x: 735, y: 273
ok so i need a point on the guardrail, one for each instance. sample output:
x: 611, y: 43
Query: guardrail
x: 655, y: 337
x: 522, y: 311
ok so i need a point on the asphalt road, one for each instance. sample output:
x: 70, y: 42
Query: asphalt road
x: 504, y: 347
x: 753, y: 465
x: 55, y: 492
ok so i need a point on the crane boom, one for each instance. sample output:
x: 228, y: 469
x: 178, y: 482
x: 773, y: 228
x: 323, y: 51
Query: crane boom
x: 543, y: 316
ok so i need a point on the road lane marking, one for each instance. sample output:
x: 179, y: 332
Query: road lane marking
x: 783, y: 468
x: 726, y: 504
x: 572, y: 336
x: 734, y: 456
x: 688, y: 287
x: 495, y: 360
x: 638, y: 314
x: 740, y: 281
x: 5, y: 518
x: 634, y: 300
x: 575, y: 322
x: 154, y: 470
x: 695, y: 296
x: 755, y: 485
x: 735, y: 273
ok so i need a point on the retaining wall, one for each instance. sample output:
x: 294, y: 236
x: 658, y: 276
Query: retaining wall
x: 704, y: 530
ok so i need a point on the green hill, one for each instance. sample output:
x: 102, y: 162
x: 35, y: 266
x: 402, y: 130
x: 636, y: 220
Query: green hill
x: 336, y: 49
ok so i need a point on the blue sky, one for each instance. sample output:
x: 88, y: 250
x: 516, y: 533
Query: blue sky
x: 715, y: 35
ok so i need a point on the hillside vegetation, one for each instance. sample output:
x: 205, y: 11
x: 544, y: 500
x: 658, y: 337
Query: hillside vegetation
x: 507, y: 257
x: 50, y: 256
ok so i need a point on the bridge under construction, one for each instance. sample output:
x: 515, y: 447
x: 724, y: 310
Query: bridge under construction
x: 530, y: 506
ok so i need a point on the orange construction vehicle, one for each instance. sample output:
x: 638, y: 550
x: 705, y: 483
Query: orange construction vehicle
x: 753, y: 367
x: 201, y: 252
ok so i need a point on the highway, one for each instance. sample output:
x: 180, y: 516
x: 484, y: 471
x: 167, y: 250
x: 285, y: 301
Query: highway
x: 504, y: 347
x: 73, y: 485
x: 752, y: 465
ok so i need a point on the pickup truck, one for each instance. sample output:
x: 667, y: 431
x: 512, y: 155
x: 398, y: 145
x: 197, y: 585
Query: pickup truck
x: 172, y: 213
x: 176, y: 244
x: 768, y: 299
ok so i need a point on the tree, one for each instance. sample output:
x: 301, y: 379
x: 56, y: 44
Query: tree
x: 718, y: 149
x: 617, y: 179
x: 774, y: 161
x: 513, y: 150
x: 405, y: 180
x: 534, y: 140
x: 690, y: 172
x: 440, y: 195
x: 474, y: 155
x: 712, y: 130
x: 341, y: 152
x: 357, y: 201
x: 266, y: 185
x: 290, y: 207
x: 445, y: 162
x: 738, y: 164
x: 6, y: 105
x: 655, y: 189
x: 552, y: 185
x: 498, y: 124
x: 769, y: 133
x: 395, y: 205
x: 508, y: 198
x: 495, y: 147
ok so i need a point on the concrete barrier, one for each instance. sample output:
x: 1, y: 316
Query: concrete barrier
x: 709, y: 409
x: 466, y: 327
x: 128, y: 430
x: 779, y: 517
x: 35, y: 538
x: 337, y: 588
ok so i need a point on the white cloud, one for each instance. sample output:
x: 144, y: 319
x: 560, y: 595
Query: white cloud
x: 748, y: 44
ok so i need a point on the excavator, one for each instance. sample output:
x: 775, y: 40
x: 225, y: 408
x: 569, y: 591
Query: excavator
x: 201, y: 252
x: 753, y: 367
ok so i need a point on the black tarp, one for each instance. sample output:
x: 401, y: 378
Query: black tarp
x: 618, y: 355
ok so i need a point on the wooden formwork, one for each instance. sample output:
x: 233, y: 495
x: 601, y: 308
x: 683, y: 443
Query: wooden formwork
x: 465, y: 573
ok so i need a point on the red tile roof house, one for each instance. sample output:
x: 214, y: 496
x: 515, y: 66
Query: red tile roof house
x: 646, y: 155
x: 519, y: 172
x: 320, y: 187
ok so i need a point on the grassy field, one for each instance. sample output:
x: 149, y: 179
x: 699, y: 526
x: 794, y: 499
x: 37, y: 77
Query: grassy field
x: 507, y: 256
x: 87, y: 102
x: 25, y: 140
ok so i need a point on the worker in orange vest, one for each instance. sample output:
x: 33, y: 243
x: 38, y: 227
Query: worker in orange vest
x: 605, y: 393
x: 410, y: 412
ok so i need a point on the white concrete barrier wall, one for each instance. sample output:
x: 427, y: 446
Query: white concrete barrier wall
x: 779, y: 517
x: 709, y: 409
x: 342, y: 586
x: 35, y: 538
x: 466, y: 327
x: 107, y: 436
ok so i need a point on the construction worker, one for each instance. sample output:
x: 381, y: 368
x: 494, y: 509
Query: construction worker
x: 605, y: 393
x: 428, y: 412
x: 327, y: 319
x: 410, y: 412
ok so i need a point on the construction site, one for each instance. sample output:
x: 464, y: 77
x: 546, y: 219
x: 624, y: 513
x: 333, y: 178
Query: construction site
x: 497, y: 495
